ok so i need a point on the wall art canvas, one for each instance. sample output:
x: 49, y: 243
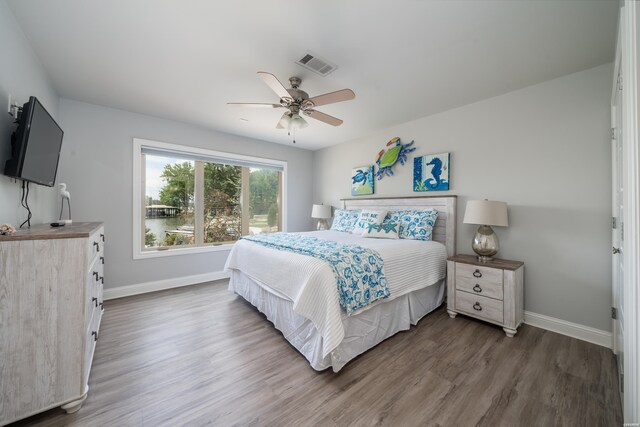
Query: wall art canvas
x: 362, y: 181
x: 388, y: 157
x: 431, y: 172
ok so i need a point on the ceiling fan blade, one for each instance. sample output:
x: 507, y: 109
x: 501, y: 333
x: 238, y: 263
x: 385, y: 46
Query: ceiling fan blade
x: 333, y: 97
x: 275, y: 85
x: 254, y: 104
x: 323, y: 117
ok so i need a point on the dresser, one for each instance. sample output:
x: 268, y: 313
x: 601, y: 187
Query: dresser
x: 51, y: 282
x: 491, y: 291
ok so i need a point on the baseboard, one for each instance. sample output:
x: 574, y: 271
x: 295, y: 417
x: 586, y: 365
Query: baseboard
x: 159, y: 285
x: 574, y: 330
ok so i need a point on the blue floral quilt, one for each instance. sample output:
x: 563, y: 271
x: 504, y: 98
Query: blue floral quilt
x: 358, y: 270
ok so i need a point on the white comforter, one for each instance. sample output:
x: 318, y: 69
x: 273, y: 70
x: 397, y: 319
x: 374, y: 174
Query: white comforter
x: 310, y: 284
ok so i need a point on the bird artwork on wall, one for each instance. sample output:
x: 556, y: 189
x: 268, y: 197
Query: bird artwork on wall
x: 388, y: 157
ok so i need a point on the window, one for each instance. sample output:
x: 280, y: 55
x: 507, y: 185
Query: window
x: 190, y: 200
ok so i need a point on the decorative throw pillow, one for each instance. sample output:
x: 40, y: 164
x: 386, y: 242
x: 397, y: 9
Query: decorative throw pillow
x: 368, y: 217
x: 416, y: 225
x: 388, y: 230
x: 345, y: 220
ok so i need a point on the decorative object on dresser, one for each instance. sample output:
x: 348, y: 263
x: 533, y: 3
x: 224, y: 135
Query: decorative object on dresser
x: 322, y: 213
x: 487, y: 290
x: 7, y: 230
x: 362, y: 182
x: 431, y: 172
x: 65, y: 195
x: 486, y: 213
x: 51, y: 282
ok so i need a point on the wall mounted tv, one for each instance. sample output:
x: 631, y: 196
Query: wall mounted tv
x: 35, y: 146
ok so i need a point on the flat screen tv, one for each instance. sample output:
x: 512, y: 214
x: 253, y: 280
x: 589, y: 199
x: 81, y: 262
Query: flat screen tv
x: 35, y: 146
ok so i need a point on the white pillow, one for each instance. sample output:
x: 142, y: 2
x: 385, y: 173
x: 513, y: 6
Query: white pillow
x: 368, y: 217
x: 388, y: 230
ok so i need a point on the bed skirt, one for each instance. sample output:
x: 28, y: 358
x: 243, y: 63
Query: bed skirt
x: 362, y: 331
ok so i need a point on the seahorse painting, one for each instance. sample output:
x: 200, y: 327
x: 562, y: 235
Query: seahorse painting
x: 431, y: 172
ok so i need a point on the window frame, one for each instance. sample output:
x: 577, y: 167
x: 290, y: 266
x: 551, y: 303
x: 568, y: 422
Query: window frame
x: 139, y: 202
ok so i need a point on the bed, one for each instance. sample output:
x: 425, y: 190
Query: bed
x: 297, y: 293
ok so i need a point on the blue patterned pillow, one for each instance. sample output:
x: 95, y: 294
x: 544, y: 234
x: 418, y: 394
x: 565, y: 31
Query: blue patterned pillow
x: 416, y: 225
x: 345, y: 220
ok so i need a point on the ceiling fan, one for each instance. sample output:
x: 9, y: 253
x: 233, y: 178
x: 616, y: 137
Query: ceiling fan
x: 297, y: 102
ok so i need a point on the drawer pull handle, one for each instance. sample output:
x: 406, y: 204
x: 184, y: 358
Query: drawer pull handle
x: 102, y: 260
x: 95, y: 301
x: 97, y: 245
x: 95, y: 335
x: 95, y: 274
x: 477, y: 288
x: 101, y: 306
x: 102, y: 237
x: 477, y: 306
x: 477, y: 273
x: 102, y: 280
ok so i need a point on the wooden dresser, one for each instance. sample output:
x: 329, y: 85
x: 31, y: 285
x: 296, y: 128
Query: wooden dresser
x: 51, y: 282
x: 491, y: 291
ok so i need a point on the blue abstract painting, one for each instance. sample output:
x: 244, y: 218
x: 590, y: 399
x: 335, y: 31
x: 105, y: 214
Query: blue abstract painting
x: 431, y: 172
x: 362, y: 181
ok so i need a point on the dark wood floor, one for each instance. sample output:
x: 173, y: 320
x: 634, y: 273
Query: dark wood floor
x: 202, y: 356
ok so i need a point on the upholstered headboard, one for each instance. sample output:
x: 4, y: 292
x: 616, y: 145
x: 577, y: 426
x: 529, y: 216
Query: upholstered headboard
x: 445, y: 228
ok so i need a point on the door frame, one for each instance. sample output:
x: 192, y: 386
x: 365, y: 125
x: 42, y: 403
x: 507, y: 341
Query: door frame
x: 628, y: 34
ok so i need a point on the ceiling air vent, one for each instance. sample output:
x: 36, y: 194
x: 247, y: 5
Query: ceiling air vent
x: 315, y: 64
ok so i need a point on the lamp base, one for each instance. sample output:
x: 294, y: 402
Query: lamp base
x: 485, y: 243
x: 322, y: 224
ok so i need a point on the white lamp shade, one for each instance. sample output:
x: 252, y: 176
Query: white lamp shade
x: 321, y: 211
x: 486, y: 212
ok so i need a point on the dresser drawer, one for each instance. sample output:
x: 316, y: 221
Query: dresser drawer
x: 96, y: 245
x: 93, y: 290
x: 91, y: 339
x: 480, y: 307
x: 475, y: 279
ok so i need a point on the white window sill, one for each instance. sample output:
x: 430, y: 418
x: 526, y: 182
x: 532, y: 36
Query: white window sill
x: 181, y: 251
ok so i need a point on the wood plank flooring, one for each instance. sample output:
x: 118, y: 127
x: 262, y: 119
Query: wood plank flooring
x: 202, y: 356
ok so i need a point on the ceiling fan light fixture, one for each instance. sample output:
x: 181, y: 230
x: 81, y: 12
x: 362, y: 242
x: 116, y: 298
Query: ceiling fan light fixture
x: 296, y: 122
x: 285, y: 121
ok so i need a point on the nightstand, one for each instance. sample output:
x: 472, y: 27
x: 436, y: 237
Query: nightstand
x: 491, y: 291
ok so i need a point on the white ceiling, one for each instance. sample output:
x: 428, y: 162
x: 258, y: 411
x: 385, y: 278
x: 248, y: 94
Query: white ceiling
x: 184, y: 59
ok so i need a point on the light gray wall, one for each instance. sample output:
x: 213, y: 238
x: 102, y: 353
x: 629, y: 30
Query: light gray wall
x: 21, y: 75
x: 545, y: 151
x: 97, y: 165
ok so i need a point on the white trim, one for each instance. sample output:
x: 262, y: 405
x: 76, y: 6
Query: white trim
x: 631, y: 167
x: 574, y: 330
x: 570, y: 329
x: 183, y: 251
x: 138, y: 143
x: 160, y: 285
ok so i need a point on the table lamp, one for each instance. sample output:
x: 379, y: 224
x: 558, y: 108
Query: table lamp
x: 486, y: 213
x: 321, y: 213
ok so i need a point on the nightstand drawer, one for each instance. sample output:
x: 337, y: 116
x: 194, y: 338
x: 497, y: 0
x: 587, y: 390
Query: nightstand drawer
x: 486, y: 276
x: 480, y: 307
x: 479, y: 280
